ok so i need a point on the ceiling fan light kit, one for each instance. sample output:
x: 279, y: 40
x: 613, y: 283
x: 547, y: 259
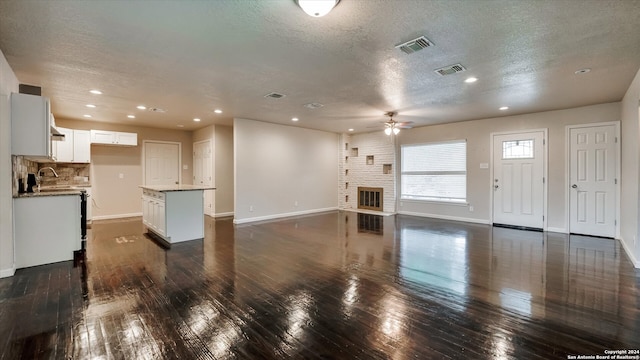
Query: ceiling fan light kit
x: 317, y: 8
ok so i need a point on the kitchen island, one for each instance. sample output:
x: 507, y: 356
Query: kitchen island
x: 174, y: 213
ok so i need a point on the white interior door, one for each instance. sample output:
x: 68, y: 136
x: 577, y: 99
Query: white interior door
x: 518, y: 179
x: 202, y: 172
x: 592, y: 169
x: 162, y: 163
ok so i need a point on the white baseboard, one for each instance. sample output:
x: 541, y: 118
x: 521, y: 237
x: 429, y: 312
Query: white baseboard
x: 283, y: 215
x: 446, y: 217
x: 7, y: 272
x: 630, y: 254
x: 116, y: 216
x: 557, y: 230
x: 225, y: 214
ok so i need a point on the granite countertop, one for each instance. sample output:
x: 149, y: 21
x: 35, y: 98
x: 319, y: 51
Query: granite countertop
x: 50, y: 193
x: 165, y: 188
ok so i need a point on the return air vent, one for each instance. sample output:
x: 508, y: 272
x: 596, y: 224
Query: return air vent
x: 451, y: 69
x: 414, y: 45
x: 274, y: 95
x: 313, y: 106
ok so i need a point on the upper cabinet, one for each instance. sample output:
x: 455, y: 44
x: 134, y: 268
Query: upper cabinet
x: 103, y: 137
x: 76, y: 147
x: 30, y: 126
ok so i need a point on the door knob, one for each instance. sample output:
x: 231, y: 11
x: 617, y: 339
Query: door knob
x: 495, y: 186
x: 574, y: 186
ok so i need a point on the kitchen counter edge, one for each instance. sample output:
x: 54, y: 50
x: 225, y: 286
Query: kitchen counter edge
x: 166, y: 188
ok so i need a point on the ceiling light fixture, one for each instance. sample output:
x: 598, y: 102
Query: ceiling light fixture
x: 471, y: 80
x: 582, y: 71
x: 317, y: 8
x: 131, y: 116
x: 180, y: 126
x: 196, y: 119
x: 141, y: 107
x: 90, y: 106
x: 87, y: 115
x: 96, y: 92
x: 294, y: 119
x: 350, y: 129
x: 217, y: 111
x: 504, y: 108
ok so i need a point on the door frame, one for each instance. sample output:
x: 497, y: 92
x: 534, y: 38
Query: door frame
x: 144, y: 158
x: 567, y: 171
x: 545, y: 165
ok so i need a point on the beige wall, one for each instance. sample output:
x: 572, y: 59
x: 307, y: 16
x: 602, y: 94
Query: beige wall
x: 630, y: 170
x: 8, y: 84
x: 477, y: 133
x: 114, y: 196
x: 222, y: 167
x: 223, y: 170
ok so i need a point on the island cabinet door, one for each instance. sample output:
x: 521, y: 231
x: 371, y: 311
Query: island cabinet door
x: 145, y: 211
x: 160, y: 220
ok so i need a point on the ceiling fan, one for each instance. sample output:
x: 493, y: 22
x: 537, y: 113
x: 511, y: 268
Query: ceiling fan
x: 393, y: 127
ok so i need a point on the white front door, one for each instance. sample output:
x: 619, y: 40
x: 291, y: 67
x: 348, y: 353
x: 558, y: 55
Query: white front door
x: 202, y: 172
x: 161, y: 163
x: 518, y: 179
x: 592, y: 169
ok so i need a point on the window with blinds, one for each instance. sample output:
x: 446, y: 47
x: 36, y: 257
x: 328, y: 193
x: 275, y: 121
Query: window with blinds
x: 436, y: 172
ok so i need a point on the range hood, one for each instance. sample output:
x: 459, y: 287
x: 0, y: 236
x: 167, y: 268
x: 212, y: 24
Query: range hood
x: 56, y: 135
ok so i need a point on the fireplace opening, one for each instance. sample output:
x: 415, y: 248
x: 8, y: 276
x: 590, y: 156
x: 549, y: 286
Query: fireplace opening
x: 370, y: 198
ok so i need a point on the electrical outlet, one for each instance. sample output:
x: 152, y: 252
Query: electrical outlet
x: 250, y: 207
x: 295, y: 203
x: 470, y: 208
x: 121, y: 176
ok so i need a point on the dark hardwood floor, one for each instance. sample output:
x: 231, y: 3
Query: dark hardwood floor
x: 338, y: 285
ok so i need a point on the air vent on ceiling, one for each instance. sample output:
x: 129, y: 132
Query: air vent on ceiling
x: 274, y: 95
x: 414, y: 45
x: 451, y: 69
x: 313, y: 105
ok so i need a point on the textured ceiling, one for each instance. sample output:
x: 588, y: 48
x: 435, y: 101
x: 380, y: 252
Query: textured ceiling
x: 190, y: 57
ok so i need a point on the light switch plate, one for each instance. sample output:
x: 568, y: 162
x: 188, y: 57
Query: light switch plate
x: 484, y: 165
x: 185, y: 167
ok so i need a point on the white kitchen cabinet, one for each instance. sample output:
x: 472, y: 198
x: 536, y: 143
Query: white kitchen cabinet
x: 47, y: 229
x: 175, y: 212
x: 104, y: 137
x: 30, y: 126
x: 76, y: 147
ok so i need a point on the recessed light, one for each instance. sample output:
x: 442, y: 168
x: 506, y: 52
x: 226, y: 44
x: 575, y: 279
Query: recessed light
x: 180, y: 125
x: 350, y: 129
x: 582, y: 71
x: 471, y: 80
x: 217, y: 111
x: 294, y: 119
x: 96, y: 92
x: 90, y: 106
x: 196, y: 119
x: 87, y: 115
x: 141, y: 107
x: 504, y: 108
x: 131, y: 116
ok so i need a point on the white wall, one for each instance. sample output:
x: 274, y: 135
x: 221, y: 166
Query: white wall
x: 277, y: 165
x: 8, y: 84
x: 382, y: 148
x: 477, y: 133
x: 630, y: 171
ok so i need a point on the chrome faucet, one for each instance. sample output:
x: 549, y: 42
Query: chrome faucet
x: 50, y: 168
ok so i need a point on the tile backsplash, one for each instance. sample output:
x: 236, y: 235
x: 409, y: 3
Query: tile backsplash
x: 68, y: 174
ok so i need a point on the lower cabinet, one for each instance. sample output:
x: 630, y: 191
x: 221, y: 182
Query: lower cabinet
x: 153, y: 212
x: 47, y: 229
x: 174, y: 215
